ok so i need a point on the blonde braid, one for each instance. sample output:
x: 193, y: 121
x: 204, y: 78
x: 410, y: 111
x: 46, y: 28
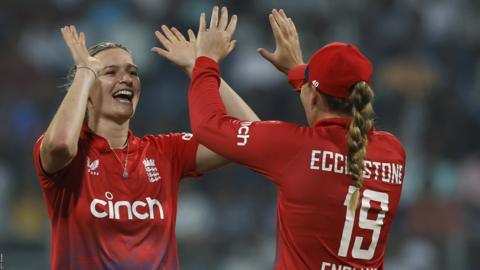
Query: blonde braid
x: 362, y: 122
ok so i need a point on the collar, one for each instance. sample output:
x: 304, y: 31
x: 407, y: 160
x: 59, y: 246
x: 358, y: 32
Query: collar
x: 101, y: 144
x: 337, y: 121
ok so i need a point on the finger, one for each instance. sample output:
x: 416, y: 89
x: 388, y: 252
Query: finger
x: 275, y: 28
x: 266, y: 54
x: 191, y: 35
x: 81, y: 39
x: 285, y: 21
x: 74, y: 32
x: 293, y: 29
x: 163, y: 40
x: 178, y: 34
x: 214, y: 18
x: 83, y: 42
x: 202, y: 26
x: 283, y: 14
x: 222, y: 25
x: 67, y: 37
x: 280, y: 21
x: 169, y: 34
x: 163, y: 53
x: 232, y: 26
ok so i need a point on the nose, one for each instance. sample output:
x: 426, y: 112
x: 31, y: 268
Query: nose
x: 126, y: 79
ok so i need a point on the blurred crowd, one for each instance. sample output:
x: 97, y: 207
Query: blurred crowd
x: 427, y: 83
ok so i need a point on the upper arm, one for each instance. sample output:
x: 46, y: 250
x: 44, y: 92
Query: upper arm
x: 207, y: 160
x: 53, y: 160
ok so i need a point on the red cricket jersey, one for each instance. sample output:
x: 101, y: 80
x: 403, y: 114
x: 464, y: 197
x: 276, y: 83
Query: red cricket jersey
x: 100, y: 220
x: 315, y: 228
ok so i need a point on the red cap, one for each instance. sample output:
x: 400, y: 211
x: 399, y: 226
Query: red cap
x: 334, y: 69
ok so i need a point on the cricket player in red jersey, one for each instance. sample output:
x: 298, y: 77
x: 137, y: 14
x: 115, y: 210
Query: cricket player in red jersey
x: 112, y: 196
x: 338, y: 180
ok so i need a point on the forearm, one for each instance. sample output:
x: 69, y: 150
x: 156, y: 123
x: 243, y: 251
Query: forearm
x: 64, y: 129
x: 235, y: 105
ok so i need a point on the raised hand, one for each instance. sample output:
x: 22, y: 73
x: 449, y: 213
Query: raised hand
x: 177, y: 50
x: 78, y: 50
x: 288, y: 53
x: 216, y: 41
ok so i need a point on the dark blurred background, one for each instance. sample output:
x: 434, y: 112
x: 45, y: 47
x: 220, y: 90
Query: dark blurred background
x: 427, y: 83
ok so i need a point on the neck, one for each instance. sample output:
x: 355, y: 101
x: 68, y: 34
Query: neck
x: 116, y: 134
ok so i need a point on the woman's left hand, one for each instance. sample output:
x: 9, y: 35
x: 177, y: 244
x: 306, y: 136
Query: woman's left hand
x: 177, y: 50
x: 216, y: 41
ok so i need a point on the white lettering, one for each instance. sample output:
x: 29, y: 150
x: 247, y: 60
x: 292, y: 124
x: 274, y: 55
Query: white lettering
x: 377, y: 165
x: 94, y: 211
x: 136, y: 213
x: 333, y: 266
x: 390, y: 173
x: 131, y: 208
x: 117, y: 209
x: 243, y: 133
x: 366, y: 169
x: 187, y: 136
x: 151, y: 203
x: 315, y: 159
x: 338, y: 158
x: 325, y: 265
x: 386, y: 176
x: 324, y: 161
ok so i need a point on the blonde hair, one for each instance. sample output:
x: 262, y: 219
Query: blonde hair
x: 361, y: 99
x: 359, y: 106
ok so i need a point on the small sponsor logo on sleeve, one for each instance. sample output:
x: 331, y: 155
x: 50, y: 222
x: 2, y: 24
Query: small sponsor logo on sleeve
x: 187, y: 136
x: 243, y: 133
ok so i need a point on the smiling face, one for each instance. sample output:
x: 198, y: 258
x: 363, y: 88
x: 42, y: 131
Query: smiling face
x: 116, y: 93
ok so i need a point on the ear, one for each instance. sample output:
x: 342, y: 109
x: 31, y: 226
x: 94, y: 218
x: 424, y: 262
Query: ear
x: 314, y: 97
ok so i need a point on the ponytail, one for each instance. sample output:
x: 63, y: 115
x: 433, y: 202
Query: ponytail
x: 360, y: 99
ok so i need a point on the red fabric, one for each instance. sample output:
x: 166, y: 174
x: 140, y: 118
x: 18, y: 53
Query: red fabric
x: 100, y: 220
x: 335, y: 68
x: 296, y: 77
x: 312, y: 187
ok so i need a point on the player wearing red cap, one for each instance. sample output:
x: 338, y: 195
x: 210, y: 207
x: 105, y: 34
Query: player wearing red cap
x: 323, y: 172
x: 112, y: 196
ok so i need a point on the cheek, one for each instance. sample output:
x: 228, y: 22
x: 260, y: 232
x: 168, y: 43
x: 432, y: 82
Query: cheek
x: 100, y: 91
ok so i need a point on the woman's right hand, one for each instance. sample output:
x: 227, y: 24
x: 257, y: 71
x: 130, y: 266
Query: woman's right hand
x: 78, y: 49
x: 288, y: 53
x: 216, y: 41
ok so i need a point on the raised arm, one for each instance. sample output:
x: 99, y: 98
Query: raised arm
x: 182, y: 52
x: 59, y: 145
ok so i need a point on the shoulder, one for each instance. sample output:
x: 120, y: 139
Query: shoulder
x: 167, y: 138
x: 389, y: 140
x: 169, y: 141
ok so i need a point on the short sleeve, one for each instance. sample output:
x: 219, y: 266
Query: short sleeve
x: 48, y: 181
x: 181, y: 150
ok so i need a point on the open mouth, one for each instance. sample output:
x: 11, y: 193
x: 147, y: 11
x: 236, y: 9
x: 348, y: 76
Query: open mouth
x: 123, y: 95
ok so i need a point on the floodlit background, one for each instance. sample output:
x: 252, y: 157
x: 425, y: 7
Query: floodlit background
x: 427, y: 83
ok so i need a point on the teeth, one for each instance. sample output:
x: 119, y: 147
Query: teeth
x: 123, y: 92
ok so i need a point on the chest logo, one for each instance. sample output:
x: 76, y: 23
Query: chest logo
x: 92, y: 166
x: 151, y: 170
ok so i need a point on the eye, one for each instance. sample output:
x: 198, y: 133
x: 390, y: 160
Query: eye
x: 110, y: 72
x: 134, y: 72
